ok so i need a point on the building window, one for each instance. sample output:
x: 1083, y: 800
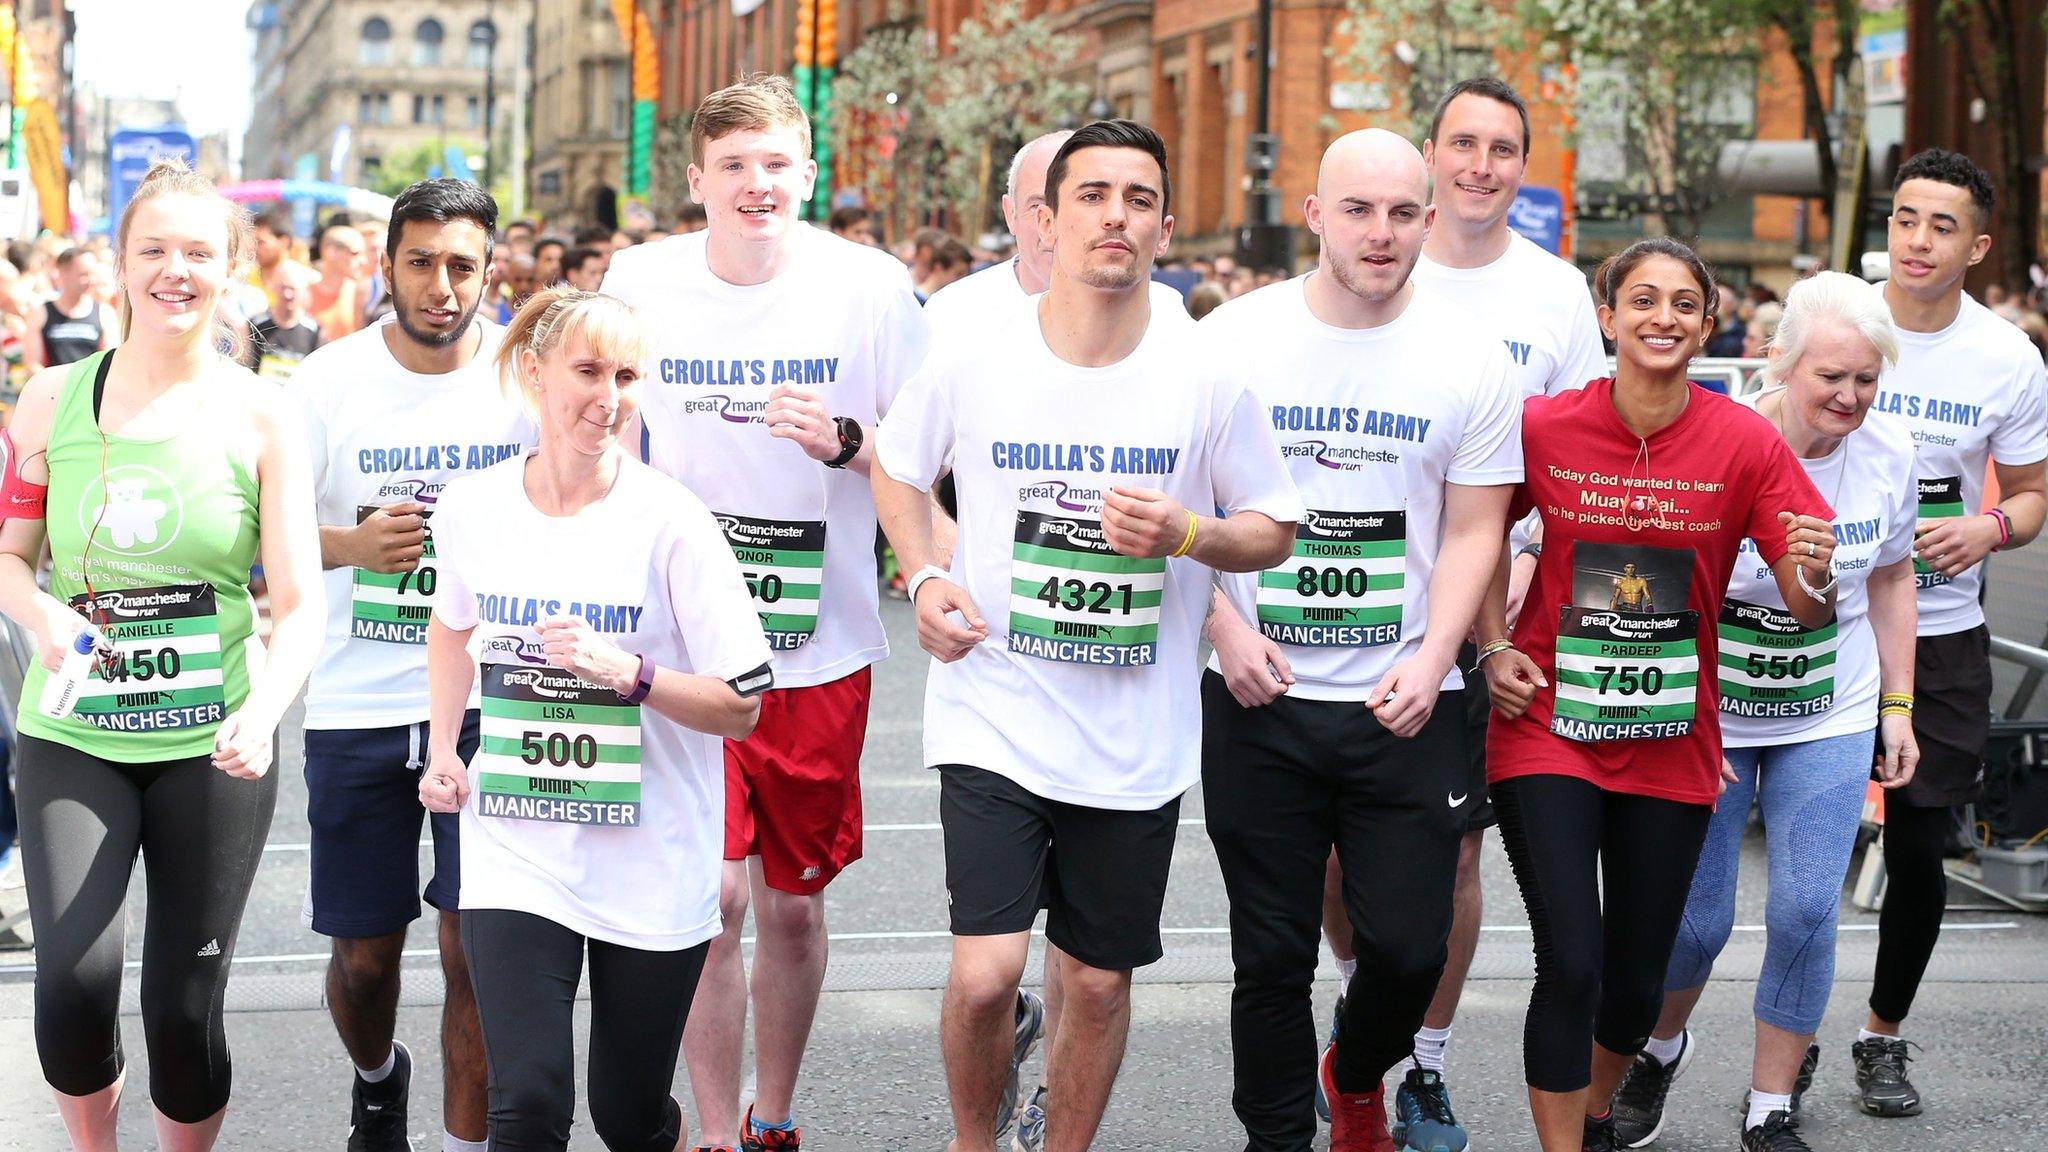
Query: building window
x: 426, y: 44
x: 618, y: 97
x: 374, y: 109
x: 428, y: 109
x: 481, y: 36
x: 473, y: 112
x: 375, y: 49
x: 373, y: 167
x: 365, y: 107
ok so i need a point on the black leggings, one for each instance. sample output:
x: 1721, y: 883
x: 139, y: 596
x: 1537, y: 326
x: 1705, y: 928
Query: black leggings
x: 1599, y: 971
x: 201, y: 835
x: 525, y: 969
x: 1915, y: 892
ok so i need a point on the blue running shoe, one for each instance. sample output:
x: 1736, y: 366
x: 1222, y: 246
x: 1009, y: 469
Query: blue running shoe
x: 1423, y: 1121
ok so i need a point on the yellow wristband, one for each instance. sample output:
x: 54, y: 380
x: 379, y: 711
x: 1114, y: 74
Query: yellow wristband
x: 1899, y: 698
x: 1895, y: 710
x: 1187, y: 542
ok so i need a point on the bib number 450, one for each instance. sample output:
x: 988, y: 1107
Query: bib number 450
x: 1629, y: 679
x: 1082, y: 596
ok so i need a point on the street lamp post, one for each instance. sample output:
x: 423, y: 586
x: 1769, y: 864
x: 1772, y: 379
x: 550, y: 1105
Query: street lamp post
x: 490, y: 92
x: 1262, y: 241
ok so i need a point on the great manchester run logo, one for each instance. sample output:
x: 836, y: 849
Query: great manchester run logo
x: 417, y: 491
x: 1064, y: 495
x: 726, y: 408
x: 507, y: 649
x: 1338, y: 458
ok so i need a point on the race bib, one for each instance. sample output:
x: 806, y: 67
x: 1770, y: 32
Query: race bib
x: 1771, y: 666
x: 1941, y: 496
x: 556, y: 748
x: 276, y: 364
x: 1627, y: 666
x: 1342, y: 588
x: 393, y: 607
x: 1075, y: 600
x: 784, y: 565
x: 166, y: 674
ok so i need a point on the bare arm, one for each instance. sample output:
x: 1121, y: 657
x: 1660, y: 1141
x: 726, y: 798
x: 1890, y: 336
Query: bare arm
x: 2023, y: 498
x: 444, y: 786
x: 704, y: 703
x: 21, y: 538
x: 291, y: 562
x: 1475, y: 522
x: 1894, y: 618
x: 906, y: 516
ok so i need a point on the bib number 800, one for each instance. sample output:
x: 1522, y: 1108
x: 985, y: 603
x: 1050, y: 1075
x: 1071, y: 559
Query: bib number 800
x: 1629, y: 680
x: 1351, y: 582
x: 1082, y: 596
x: 558, y: 749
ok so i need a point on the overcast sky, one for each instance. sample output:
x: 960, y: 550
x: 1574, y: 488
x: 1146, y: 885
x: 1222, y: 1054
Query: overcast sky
x: 196, y: 51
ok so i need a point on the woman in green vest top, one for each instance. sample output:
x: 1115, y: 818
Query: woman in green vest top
x: 170, y: 470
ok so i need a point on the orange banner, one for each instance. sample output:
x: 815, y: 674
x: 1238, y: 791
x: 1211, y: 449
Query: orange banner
x: 43, y: 145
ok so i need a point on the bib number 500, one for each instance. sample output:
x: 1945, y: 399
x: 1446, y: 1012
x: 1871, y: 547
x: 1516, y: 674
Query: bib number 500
x: 558, y: 749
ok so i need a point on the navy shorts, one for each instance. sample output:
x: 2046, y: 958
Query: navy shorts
x: 363, y: 802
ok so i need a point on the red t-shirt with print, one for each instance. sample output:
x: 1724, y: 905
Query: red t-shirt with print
x: 1639, y: 537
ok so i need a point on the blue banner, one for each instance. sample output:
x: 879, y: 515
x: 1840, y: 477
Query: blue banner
x: 1538, y: 213
x: 130, y: 152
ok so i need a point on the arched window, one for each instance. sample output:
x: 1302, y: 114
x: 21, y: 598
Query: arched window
x: 481, y: 36
x: 426, y: 44
x: 375, y: 49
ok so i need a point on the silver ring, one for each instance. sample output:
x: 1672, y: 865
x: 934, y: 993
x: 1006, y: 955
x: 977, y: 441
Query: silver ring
x: 1812, y: 549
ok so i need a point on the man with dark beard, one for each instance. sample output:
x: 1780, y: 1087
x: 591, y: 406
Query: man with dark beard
x: 393, y: 413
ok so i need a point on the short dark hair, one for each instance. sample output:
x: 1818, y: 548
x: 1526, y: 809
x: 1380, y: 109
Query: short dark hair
x: 278, y: 222
x: 549, y: 242
x: 1945, y: 167
x: 951, y: 253
x: 69, y: 256
x: 591, y: 235
x: 1110, y: 134
x: 440, y: 201
x: 690, y: 214
x: 578, y: 256
x: 1490, y: 87
x: 1608, y: 277
x: 525, y: 224
x: 846, y: 216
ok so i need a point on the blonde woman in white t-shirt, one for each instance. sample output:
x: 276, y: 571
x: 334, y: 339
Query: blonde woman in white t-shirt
x: 1798, y: 707
x: 618, y: 648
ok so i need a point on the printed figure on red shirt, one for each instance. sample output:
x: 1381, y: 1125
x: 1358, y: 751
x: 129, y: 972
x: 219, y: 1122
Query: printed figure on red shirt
x: 1604, y: 755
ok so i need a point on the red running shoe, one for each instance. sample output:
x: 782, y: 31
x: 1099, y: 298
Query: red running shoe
x: 1358, y: 1120
x: 754, y: 1139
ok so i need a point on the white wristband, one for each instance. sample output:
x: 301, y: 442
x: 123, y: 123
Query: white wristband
x: 921, y: 575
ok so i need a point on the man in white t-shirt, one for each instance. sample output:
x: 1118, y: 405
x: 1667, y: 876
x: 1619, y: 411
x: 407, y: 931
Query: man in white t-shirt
x: 775, y: 346
x: 1321, y: 724
x: 1971, y: 389
x: 1009, y: 283
x: 1477, y: 152
x: 394, y: 412
x: 1083, y: 435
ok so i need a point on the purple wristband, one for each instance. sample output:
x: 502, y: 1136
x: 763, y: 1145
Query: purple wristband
x: 643, y: 682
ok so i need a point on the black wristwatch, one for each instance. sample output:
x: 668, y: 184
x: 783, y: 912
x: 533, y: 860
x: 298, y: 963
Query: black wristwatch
x: 850, y: 440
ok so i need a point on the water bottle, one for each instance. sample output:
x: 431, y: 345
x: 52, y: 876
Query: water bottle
x: 62, y: 688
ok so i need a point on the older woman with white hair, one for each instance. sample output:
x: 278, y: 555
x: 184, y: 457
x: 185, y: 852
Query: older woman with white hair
x: 1798, y: 706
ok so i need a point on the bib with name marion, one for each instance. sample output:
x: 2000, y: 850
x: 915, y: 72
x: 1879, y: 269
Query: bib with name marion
x: 1076, y: 600
x: 556, y: 748
x: 1772, y: 666
x: 1343, y: 585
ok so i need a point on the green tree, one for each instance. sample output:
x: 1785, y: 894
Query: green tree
x: 958, y: 117
x: 1406, y: 53
x: 407, y: 166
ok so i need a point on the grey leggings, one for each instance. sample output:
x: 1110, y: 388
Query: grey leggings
x: 201, y: 833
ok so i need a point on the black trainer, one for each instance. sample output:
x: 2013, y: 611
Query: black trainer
x: 1600, y: 1134
x: 1881, y: 1077
x: 376, y: 1115
x: 1775, y: 1134
x: 1639, y: 1104
x: 1807, y: 1066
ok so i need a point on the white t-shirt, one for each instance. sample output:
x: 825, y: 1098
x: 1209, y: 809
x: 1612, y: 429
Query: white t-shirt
x: 621, y: 839
x: 840, y: 320
x: 1542, y: 308
x: 1086, y: 649
x: 1781, y: 684
x: 1972, y: 392
x: 383, y: 435
x: 995, y: 289
x: 1370, y: 447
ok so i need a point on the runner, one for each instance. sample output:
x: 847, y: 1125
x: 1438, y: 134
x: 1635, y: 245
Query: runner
x: 1798, y: 711
x: 336, y: 299
x: 1007, y: 283
x: 286, y: 334
x: 1612, y: 774
x: 170, y: 470
x: 1046, y: 800
x: 394, y: 412
x: 73, y: 324
x: 1320, y: 725
x: 1970, y: 388
x: 985, y: 297
x: 1477, y: 152
x: 616, y: 645
x: 776, y: 345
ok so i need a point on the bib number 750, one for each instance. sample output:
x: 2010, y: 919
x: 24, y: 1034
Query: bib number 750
x: 1083, y: 596
x: 1629, y: 679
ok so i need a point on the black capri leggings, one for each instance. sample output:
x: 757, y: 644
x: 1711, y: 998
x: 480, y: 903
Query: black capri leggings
x: 200, y: 832
x: 525, y: 969
x: 1599, y: 971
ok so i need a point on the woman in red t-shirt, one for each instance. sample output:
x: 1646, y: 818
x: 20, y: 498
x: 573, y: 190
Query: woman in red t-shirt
x: 1604, y: 757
